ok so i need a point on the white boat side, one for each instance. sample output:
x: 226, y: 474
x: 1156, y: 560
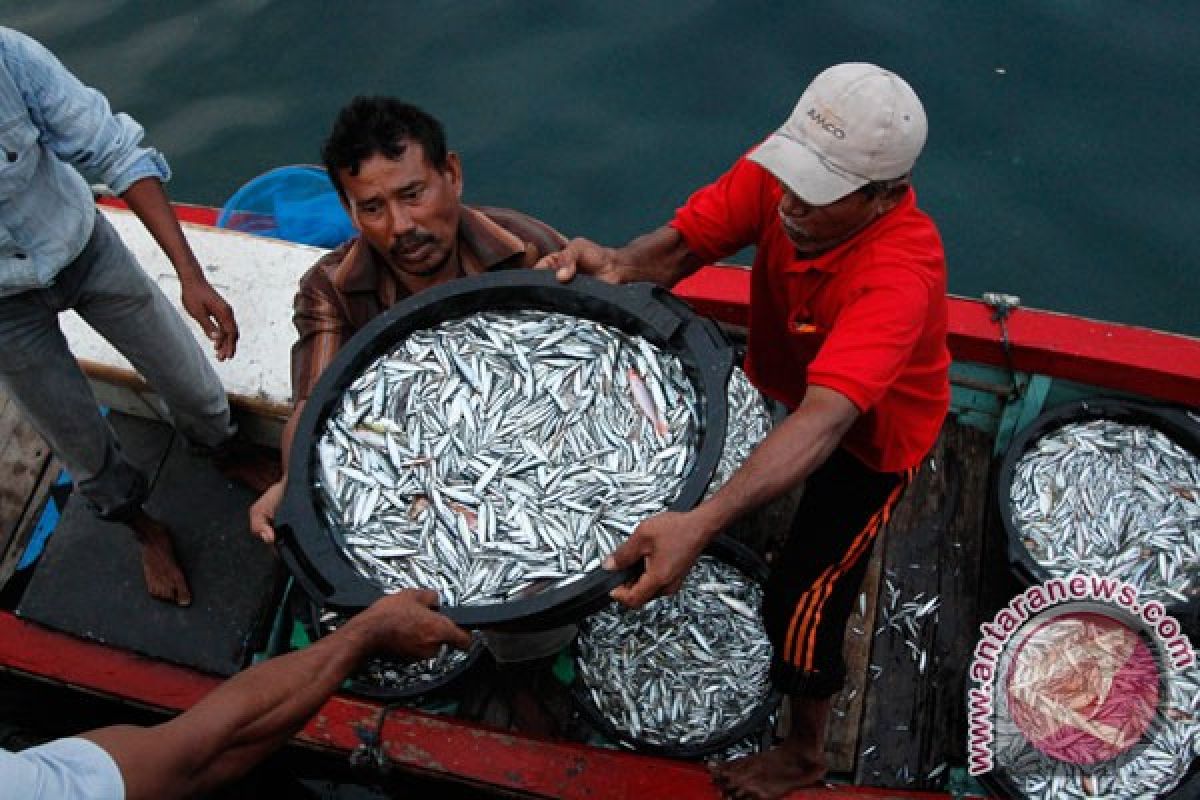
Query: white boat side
x: 256, y: 275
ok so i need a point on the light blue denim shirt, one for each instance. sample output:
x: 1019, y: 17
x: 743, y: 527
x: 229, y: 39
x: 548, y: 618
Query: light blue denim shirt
x: 50, y: 126
x: 64, y: 769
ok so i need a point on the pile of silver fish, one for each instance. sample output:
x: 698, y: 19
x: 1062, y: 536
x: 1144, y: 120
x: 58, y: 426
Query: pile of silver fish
x: 1172, y: 743
x: 684, y: 669
x: 909, y: 619
x: 502, y: 453
x: 1113, y: 499
x: 748, y: 424
x: 385, y: 673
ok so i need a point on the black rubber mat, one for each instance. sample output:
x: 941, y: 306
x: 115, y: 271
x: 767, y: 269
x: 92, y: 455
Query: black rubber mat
x: 89, y: 581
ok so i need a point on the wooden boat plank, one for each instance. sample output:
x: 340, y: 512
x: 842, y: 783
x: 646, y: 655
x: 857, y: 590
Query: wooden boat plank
x: 24, y: 458
x: 914, y: 720
x: 1121, y: 357
x: 22, y: 533
x: 842, y: 743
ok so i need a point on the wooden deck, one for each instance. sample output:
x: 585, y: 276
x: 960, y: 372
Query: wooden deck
x: 27, y: 471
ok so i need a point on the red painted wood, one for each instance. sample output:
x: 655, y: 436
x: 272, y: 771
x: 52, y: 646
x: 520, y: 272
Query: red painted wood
x: 1159, y: 365
x: 1164, y: 366
x: 198, y: 215
x: 416, y: 741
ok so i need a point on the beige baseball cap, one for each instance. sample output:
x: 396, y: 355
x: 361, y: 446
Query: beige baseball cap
x: 855, y: 123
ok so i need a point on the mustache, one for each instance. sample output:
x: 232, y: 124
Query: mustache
x: 410, y: 242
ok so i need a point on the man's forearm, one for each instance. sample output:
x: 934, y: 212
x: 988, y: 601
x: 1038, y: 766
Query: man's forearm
x: 147, y: 199
x: 236, y: 725
x: 266, y: 704
x: 783, y: 460
x: 661, y: 256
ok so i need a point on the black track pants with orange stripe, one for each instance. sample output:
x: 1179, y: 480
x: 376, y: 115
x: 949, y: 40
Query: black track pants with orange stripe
x: 813, y: 584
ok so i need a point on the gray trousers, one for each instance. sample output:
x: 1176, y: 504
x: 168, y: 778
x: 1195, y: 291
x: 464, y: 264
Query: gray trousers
x: 110, y: 291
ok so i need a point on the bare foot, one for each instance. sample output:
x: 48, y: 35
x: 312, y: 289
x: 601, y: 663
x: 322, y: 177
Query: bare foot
x: 797, y: 762
x: 769, y: 775
x: 164, y: 577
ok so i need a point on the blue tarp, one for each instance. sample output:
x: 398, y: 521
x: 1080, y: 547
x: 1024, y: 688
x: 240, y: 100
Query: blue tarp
x: 295, y: 203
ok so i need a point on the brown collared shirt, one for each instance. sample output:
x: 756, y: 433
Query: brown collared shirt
x: 350, y: 286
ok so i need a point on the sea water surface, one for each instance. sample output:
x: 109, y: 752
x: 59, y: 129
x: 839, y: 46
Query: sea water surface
x: 1061, y: 163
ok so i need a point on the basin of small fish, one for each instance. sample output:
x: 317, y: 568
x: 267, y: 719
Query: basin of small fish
x: 380, y: 675
x: 749, y: 423
x: 1113, y: 499
x: 1154, y: 769
x: 685, y: 671
x: 503, y: 453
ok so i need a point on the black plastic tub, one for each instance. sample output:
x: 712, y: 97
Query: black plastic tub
x: 1174, y: 422
x: 1000, y: 780
x: 310, y: 617
x: 736, y: 554
x: 312, y: 552
x: 1003, y: 786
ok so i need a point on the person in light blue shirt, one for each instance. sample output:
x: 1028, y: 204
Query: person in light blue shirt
x: 233, y: 727
x: 57, y: 252
x: 64, y: 768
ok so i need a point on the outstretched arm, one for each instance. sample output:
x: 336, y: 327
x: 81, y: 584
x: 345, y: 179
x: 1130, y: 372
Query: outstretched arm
x: 148, y: 200
x: 672, y: 541
x: 661, y: 256
x: 255, y: 712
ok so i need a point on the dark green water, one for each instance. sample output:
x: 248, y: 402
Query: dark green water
x: 1060, y: 132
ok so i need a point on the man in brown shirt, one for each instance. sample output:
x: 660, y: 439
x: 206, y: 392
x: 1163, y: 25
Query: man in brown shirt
x: 402, y: 189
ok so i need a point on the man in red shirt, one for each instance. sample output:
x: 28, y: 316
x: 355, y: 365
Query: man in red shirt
x: 848, y: 329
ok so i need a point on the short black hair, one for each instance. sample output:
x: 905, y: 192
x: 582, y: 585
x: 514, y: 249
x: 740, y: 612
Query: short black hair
x: 375, y: 125
x: 877, y: 188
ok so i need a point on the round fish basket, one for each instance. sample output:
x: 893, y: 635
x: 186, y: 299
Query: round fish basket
x: 1003, y: 785
x: 1084, y: 703
x: 686, y: 676
x: 383, y: 678
x: 450, y: 437
x: 1109, y: 487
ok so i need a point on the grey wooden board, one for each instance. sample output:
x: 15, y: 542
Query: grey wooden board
x: 914, y: 721
x: 89, y: 582
x: 24, y: 464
